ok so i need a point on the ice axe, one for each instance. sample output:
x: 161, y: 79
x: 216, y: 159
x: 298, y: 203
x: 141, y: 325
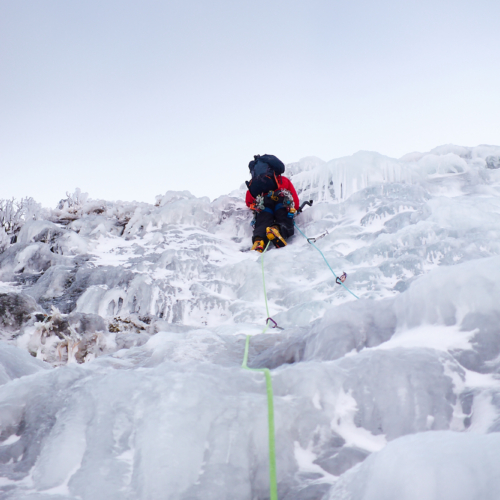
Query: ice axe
x: 310, y: 202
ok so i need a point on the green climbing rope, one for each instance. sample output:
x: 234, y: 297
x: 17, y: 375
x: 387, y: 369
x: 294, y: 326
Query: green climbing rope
x: 324, y: 258
x: 264, y: 282
x: 273, y: 484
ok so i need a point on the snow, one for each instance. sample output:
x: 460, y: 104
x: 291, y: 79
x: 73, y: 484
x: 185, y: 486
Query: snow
x: 435, y: 466
x: 123, y: 328
x: 15, y: 363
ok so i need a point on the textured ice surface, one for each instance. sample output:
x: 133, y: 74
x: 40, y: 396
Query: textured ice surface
x: 15, y: 363
x: 434, y: 466
x: 144, y: 310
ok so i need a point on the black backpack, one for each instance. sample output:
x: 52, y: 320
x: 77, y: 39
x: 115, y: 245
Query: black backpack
x: 264, y: 169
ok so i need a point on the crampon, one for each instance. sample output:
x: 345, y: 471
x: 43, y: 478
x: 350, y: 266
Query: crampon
x: 258, y: 246
x: 275, y: 237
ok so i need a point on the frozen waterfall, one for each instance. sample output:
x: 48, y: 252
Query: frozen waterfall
x: 123, y: 325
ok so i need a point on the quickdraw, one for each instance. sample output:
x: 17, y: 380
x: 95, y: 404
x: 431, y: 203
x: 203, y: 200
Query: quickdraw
x: 275, y: 325
x: 340, y: 279
x: 284, y: 194
x: 259, y: 203
x: 316, y: 238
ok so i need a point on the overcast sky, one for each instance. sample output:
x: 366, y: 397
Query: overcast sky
x: 129, y: 99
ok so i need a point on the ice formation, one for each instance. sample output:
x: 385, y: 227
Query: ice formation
x: 122, y: 331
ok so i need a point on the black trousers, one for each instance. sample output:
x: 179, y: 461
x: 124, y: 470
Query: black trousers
x: 265, y: 219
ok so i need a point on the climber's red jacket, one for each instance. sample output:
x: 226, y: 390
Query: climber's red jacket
x: 283, y: 183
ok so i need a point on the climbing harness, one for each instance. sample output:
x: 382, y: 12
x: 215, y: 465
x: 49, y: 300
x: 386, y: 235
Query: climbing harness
x: 338, y: 279
x: 283, y: 196
x: 273, y: 484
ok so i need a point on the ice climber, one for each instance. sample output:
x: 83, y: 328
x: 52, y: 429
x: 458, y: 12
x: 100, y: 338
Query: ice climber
x: 274, y: 201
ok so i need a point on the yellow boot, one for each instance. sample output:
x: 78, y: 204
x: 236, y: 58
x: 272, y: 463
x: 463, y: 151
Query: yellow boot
x: 273, y: 234
x: 258, y: 246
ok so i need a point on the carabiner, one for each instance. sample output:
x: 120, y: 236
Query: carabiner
x: 275, y: 324
x: 340, y: 279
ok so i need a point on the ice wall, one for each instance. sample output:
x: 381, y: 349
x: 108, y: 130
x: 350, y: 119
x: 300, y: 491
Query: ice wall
x: 144, y: 309
x: 434, y: 466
